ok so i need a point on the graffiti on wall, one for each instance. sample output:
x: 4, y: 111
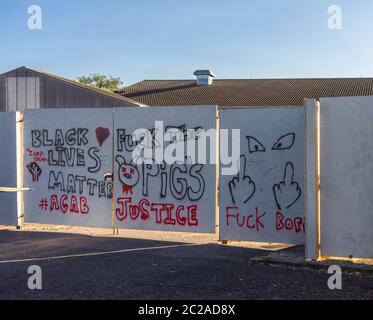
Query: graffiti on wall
x: 264, y: 201
x: 161, y: 196
x: 65, y: 165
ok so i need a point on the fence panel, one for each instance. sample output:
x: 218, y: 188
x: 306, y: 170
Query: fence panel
x: 8, y: 165
x: 178, y: 197
x: 67, y: 153
x: 346, y: 172
x: 265, y: 200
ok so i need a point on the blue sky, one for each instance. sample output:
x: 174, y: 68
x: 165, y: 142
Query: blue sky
x: 169, y: 39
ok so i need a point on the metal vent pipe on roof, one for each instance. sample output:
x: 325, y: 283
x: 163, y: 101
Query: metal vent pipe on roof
x: 204, y: 77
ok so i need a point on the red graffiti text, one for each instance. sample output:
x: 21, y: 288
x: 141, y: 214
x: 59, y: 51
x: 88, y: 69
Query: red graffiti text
x: 164, y: 213
x: 65, y: 203
x: 296, y: 224
x: 250, y: 221
x: 37, y: 156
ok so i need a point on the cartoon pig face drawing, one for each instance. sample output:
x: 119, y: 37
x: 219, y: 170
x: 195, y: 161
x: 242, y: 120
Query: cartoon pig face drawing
x: 128, y: 172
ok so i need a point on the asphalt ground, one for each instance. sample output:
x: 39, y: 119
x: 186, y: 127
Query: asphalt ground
x: 83, y: 266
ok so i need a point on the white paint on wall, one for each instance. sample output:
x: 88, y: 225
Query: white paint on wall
x: 66, y: 155
x: 8, y: 169
x: 346, y: 129
x: 175, y: 197
x: 311, y: 180
x: 265, y: 201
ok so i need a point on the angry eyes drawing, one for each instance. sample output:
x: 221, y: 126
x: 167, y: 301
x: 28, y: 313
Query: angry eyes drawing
x: 286, y: 192
x: 283, y: 143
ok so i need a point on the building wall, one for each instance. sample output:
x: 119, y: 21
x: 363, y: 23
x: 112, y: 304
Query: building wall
x: 23, y: 89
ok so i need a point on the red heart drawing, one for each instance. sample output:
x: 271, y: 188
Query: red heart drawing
x: 102, y: 134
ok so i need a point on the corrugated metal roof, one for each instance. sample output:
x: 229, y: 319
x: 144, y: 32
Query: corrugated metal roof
x: 241, y: 92
x: 85, y: 86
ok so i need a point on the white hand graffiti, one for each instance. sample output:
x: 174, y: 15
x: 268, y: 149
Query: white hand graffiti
x: 241, y: 187
x: 287, y: 192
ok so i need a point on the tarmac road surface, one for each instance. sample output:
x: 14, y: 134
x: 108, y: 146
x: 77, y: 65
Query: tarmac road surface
x: 76, y: 266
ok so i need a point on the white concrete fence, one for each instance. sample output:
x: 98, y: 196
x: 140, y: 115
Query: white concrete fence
x: 305, y: 174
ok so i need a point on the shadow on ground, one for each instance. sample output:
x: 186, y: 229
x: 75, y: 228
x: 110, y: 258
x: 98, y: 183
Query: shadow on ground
x: 150, y: 269
x: 27, y: 245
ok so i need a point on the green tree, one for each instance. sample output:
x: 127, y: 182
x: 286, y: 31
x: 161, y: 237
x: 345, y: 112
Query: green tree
x: 102, y: 81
